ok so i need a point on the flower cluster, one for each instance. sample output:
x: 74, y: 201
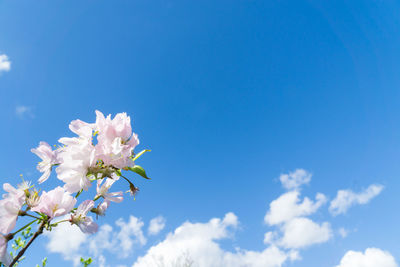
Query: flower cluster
x: 99, y: 153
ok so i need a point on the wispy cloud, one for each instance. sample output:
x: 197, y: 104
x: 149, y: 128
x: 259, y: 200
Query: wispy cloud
x: 294, y: 180
x: 347, y: 198
x: 156, y: 225
x: 5, y: 63
x: 24, y: 111
x: 343, y: 232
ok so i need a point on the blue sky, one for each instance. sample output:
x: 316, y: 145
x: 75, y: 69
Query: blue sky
x: 229, y: 95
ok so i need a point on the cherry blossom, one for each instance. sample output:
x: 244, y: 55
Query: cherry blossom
x: 80, y: 218
x: 5, y: 257
x: 16, y: 194
x: 99, y: 153
x: 56, y: 202
x: 102, y: 207
x: 10, y: 207
x: 49, y: 158
x: 115, y: 140
x: 102, y: 191
x: 77, y: 158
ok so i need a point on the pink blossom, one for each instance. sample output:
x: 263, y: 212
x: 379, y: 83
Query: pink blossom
x: 102, y: 191
x: 81, y: 128
x: 8, y: 215
x: 115, y: 140
x: 33, y: 200
x: 25, y: 186
x: 102, y: 207
x: 56, y: 202
x: 80, y: 218
x: 77, y: 157
x: 15, y: 194
x: 49, y: 158
x: 10, y: 207
x: 5, y: 257
x: 109, y: 128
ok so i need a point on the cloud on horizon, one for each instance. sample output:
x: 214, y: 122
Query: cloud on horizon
x: 288, y: 216
x: 120, y: 240
x: 372, y: 257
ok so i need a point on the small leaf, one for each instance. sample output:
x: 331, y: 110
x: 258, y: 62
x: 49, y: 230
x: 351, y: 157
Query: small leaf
x: 139, y: 170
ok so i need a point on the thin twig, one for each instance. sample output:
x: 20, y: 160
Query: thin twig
x: 16, y: 232
x: 21, y: 253
x: 37, y: 218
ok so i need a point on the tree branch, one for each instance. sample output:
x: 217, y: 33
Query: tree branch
x: 21, y: 253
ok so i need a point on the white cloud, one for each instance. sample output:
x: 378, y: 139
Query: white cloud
x: 289, y: 213
x: 288, y: 206
x: 347, y: 198
x: 120, y: 241
x: 157, y: 224
x: 102, y: 261
x: 294, y: 255
x: 303, y: 232
x: 130, y: 234
x: 372, y: 257
x: 5, y: 63
x: 270, y: 237
x: 22, y: 111
x: 66, y: 239
x: 104, y: 239
x: 293, y: 180
x: 197, y: 243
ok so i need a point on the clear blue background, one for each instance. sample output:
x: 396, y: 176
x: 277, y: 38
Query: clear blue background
x: 227, y: 94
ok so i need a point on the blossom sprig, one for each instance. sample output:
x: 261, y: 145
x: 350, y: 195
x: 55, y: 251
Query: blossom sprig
x: 98, y: 153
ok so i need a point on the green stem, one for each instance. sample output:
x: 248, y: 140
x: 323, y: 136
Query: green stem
x: 77, y: 194
x: 24, y: 227
x: 37, y: 218
x: 126, y: 179
x: 55, y: 224
x: 140, y: 153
